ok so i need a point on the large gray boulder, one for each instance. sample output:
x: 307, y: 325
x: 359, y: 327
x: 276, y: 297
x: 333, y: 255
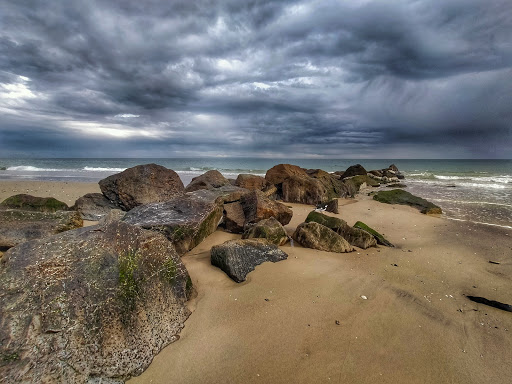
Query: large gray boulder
x: 257, y: 206
x: 269, y: 229
x: 93, y: 206
x: 88, y: 306
x: 185, y: 220
x: 143, y: 184
x: 239, y: 257
x: 355, y: 236
x: 317, y: 236
x: 209, y: 180
x: 18, y: 226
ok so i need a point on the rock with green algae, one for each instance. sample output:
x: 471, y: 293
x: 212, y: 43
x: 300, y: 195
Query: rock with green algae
x: 380, y: 239
x: 269, y: 229
x: 91, y: 305
x: 32, y: 203
x: 398, y: 196
x: 317, y: 236
x: 354, y: 236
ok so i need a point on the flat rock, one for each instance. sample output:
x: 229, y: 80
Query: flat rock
x: 355, y: 236
x: 185, y: 220
x: 143, y: 184
x: 91, y: 305
x: 93, y: 206
x: 209, y: 180
x: 239, y: 257
x: 269, y: 229
x: 317, y: 236
x: 18, y: 226
x: 257, y: 206
x: 398, y: 196
x: 33, y: 203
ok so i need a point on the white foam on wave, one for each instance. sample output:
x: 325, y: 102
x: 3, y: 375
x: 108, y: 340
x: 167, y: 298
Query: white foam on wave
x: 101, y: 169
x: 480, y: 222
x: 30, y: 168
x: 472, y: 202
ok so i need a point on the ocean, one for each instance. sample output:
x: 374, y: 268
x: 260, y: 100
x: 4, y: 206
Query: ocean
x: 470, y: 190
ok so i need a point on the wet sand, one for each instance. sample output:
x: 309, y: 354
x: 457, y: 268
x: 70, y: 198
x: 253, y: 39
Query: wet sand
x: 415, y: 325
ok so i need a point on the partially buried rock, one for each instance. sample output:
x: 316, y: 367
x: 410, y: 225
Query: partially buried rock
x: 91, y: 305
x: 33, y: 203
x: 143, y: 184
x: 354, y: 236
x: 318, y: 236
x: 398, y: 196
x: 239, y: 257
x: 18, y: 226
x: 269, y: 229
x: 184, y: 220
x: 209, y: 180
x: 93, y: 206
x: 257, y: 206
x: 380, y: 239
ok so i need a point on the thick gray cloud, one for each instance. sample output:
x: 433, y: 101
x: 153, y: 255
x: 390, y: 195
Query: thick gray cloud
x: 423, y: 78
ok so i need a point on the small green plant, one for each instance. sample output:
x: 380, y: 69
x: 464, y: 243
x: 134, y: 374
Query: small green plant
x: 10, y: 357
x: 128, y: 283
x: 170, y: 270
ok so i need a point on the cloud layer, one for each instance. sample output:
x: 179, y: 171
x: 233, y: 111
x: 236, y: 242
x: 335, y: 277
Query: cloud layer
x: 424, y: 78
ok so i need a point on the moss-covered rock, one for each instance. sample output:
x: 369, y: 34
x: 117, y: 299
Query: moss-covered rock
x: 269, y: 229
x: 33, y: 203
x: 317, y: 236
x: 380, y: 239
x: 398, y: 196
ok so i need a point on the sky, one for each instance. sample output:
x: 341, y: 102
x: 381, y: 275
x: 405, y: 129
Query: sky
x: 302, y: 79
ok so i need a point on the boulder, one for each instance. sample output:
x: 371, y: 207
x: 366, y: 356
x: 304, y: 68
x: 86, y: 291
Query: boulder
x: 279, y: 173
x: 398, y: 196
x: 113, y: 216
x: 332, y: 206
x: 143, y: 184
x: 376, y: 173
x: 88, y: 306
x: 303, y: 190
x: 17, y: 226
x: 257, y: 206
x: 93, y: 206
x: 317, y: 236
x: 393, y: 168
x: 185, y: 220
x: 33, y: 203
x: 221, y: 195
x: 234, y: 218
x: 354, y: 170
x: 269, y: 229
x: 209, y: 180
x: 354, y: 236
x: 252, y: 182
x: 380, y: 239
x: 239, y: 257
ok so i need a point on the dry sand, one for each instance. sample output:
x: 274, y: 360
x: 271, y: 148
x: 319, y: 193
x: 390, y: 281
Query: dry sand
x: 416, y: 325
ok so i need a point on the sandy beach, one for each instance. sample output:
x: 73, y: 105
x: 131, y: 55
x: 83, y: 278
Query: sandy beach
x: 382, y: 315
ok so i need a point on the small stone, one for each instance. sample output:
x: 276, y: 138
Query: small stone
x: 337, y: 322
x: 364, y: 297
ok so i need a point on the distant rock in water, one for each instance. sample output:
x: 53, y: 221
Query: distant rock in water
x: 91, y: 305
x: 239, y: 257
x: 269, y: 229
x: 93, y: 206
x: 143, y: 184
x: 354, y: 170
x: 317, y: 236
x: 398, y: 196
x: 209, y: 180
x: 33, y: 203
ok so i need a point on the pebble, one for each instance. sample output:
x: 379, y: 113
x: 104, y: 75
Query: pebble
x: 364, y: 297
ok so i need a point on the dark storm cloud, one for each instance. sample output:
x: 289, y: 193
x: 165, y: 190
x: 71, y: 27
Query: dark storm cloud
x: 289, y: 78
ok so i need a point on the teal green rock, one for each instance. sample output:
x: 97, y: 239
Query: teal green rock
x: 398, y: 196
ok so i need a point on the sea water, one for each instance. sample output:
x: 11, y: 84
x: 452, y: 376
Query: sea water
x: 472, y: 190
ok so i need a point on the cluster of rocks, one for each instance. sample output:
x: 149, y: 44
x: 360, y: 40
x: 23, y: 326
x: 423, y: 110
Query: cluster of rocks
x: 97, y: 303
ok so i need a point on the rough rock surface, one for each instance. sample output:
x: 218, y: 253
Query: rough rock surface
x: 257, y: 206
x: 91, y: 305
x: 380, y: 239
x: 234, y: 218
x: 143, y: 184
x: 303, y: 190
x: 17, y: 226
x: 185, y: 220
x: 269, y: 229
x: 354, y: 170
x: 332, y: 206
x: 398, y: 196
x: 239, y: 257
x: 356, y: 237
x: 209, y: 180
x: 279, y: 173
x: 252, y: 182
x: 93, y: 206
x: 318, y: 236
x: 33, y: 203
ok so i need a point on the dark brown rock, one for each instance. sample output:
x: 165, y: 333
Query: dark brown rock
x: 17, y: 226
x: 252, y: 182
x: 239, y: 257
x: 141, y: 185
x: 91, y: 305
x: 33, y: 203
x: 234, y: 218
x: 303, y: 190
x: 257, y: 206
x: 316, y: 236
x: 93, y: 206
x: 354, y: 170
x: 209, y: 180
x: 279, y: 173
x: 332, y: 206
x: 269, y: 229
